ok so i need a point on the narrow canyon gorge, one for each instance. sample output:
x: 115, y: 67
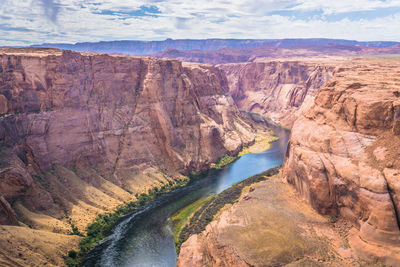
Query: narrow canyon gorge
x: 83, y: 133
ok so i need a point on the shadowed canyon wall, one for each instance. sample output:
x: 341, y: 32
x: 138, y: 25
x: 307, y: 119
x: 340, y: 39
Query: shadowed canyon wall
x: 276, y: 89
x: 343, y: 155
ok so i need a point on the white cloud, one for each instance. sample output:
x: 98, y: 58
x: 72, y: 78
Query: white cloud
x: 25, y: 22
x: 342, y: 6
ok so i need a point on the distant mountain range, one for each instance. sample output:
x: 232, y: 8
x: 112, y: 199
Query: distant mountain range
x: 152, y: 47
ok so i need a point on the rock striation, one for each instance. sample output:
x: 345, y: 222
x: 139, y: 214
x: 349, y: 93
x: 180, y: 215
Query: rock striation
x: 277, y: 89
x: 82, y: 133
x: 343, y: 155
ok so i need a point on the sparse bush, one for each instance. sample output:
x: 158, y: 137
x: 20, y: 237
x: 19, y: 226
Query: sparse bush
x: 72, y: 254
x: 75, y: 230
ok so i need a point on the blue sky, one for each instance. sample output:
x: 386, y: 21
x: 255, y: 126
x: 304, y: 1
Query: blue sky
x: 25, y: 22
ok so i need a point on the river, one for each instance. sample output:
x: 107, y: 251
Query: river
x: 145, y: 238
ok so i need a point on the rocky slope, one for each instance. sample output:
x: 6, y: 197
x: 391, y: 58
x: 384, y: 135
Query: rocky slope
x: 343, y: 155
x: 82, y: 133
x: 277, y: 89
x: 268, y: 226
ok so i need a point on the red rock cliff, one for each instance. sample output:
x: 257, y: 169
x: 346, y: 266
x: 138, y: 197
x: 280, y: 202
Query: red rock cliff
x: 98, y: 118
x: 276, y: 89
x: 343, y: 155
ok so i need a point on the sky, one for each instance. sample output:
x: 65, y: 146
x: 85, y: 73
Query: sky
x: 26, y: 22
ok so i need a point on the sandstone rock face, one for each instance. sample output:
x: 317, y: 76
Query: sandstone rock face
x: 276, y: 89
x: 343, y: 155
x: 105, y: 121
x: 268, y: 226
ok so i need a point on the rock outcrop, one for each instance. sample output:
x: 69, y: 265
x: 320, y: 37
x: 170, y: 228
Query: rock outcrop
x: 343, y: 155
x: 82, y: 133
x: 268, y: 226
x: 277, y: 89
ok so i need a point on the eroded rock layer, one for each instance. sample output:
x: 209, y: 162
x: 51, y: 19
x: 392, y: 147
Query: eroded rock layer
x: 343, y: 155
x: 82, y: 133
x: 277, y: 89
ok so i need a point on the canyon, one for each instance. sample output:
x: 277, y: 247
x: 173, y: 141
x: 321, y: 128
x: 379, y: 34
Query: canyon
x: 342, y: 160
x: 83, y: 133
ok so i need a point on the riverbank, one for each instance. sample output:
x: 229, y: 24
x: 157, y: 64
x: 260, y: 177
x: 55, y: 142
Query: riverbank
x: 145, y: 237
x: 103, y: 224
x: 180, y: 219
x: 208, y: 208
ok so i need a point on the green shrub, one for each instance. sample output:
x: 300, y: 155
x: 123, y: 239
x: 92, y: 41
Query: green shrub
x: 72, y: 254
x: 75, y: 230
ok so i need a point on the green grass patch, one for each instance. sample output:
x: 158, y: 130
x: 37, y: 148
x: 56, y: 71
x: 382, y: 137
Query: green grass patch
x: 223, y: 161
x: 208, y: 209
x: 180, y: 218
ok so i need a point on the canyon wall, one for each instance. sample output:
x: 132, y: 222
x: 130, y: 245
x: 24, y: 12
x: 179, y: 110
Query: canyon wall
x: 277, y: 89
x: 82, y: 133
x: 343, y: 155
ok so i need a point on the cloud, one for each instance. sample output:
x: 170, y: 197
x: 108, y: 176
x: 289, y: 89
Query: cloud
x: 51, y: 9
x: 68, y: 21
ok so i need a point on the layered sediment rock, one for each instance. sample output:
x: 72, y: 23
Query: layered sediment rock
x: 277, y: 89
x: 82, y: 133
x: 343, y: 155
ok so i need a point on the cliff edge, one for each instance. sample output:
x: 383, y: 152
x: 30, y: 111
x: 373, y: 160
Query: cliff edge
x: 343, y: 155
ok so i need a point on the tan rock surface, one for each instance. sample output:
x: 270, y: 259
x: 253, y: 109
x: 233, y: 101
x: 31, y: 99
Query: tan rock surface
x: 343, y: 155
x: 269, y: 226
